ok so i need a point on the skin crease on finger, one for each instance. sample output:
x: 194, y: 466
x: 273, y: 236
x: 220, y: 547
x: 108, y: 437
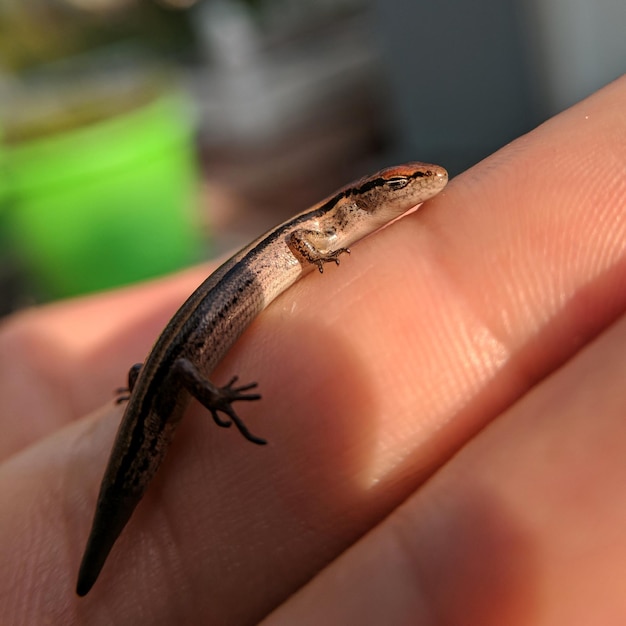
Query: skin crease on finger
x: 444, y: 321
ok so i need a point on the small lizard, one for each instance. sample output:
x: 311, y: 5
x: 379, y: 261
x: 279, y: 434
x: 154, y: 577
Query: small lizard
x: 210, y: 321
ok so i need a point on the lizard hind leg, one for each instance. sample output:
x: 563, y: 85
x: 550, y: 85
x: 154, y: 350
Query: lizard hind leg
x: 123, y: 393
x: 217, y: 399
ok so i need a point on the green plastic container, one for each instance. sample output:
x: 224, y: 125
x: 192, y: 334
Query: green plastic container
x: 106, y: 204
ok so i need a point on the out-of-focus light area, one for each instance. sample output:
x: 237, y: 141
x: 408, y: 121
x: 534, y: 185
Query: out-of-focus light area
x: 138, y: 137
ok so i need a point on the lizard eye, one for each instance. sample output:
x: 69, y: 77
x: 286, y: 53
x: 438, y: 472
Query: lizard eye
x: 397, y: 182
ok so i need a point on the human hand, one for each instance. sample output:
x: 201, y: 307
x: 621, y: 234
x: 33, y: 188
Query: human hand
x: 446, y: 417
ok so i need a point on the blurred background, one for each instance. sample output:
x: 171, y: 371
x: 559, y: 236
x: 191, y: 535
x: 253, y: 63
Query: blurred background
x: 140, y: 136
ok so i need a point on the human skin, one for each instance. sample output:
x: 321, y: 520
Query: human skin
x: 445, y: 411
